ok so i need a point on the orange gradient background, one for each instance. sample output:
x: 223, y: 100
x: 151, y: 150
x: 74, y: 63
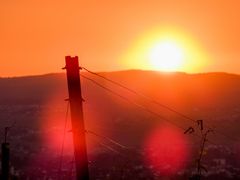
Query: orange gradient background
x: 36, y: 35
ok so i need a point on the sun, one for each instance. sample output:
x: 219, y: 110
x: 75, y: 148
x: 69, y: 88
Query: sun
x: 166, y: 56
x: 166, y: 48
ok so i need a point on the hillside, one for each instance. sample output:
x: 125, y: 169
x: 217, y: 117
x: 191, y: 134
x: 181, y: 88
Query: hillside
x: 37, y: 105
x: 211, y: 96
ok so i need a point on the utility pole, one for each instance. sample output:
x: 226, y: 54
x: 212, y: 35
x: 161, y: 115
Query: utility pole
x: 200, y: 167
x: 5, y: 156
x: 76, y: 106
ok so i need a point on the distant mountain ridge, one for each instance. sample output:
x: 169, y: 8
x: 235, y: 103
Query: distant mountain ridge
x: 220, y: 88
x: 213, y: 97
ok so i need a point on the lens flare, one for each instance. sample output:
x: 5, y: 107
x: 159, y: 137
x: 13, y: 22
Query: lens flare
x: 166, y: 151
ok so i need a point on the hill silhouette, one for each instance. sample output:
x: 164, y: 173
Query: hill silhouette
x: 36, y: 104
x: 210, y: 96
x: 209, y: 90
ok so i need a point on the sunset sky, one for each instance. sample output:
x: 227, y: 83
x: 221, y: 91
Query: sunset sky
x: 111, y: 35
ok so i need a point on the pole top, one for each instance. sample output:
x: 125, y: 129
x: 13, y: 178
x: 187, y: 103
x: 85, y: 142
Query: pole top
x: 69, y: 57
x: 71, y: 62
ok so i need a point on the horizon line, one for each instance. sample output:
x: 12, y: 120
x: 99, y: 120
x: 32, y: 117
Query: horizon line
x: 125, y: 70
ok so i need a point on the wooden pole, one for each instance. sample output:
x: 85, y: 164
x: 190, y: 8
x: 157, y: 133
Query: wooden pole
x: 76, y: 106
x: 5, y: 161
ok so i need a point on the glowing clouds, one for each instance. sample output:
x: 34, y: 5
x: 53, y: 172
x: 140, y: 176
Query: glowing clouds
x: 166, y: 151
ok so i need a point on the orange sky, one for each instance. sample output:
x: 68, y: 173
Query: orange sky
x: 36, y: 35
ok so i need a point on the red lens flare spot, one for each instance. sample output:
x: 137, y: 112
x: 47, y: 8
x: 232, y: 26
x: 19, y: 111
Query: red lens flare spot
x: 166, y: 150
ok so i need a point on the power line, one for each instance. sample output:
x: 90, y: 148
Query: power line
x: 63, y: 142
x: 146, y: 109
x: 107, y: 138
x: 156, y: 102
x: 71, y: 168
x: 138, y: 105
x: 129, y: 101
x: 142, y: 95
x: 110, y: 140
x: 134, y: 103
x: 108, y: 147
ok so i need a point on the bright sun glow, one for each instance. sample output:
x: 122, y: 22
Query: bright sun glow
x: 166, y: 49
x: 166, y: 56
